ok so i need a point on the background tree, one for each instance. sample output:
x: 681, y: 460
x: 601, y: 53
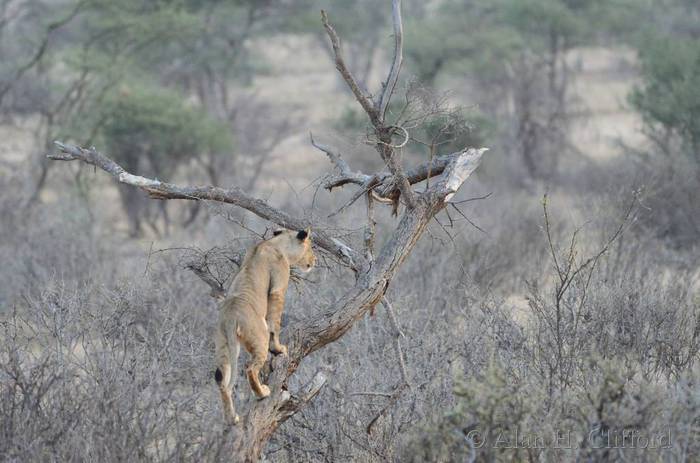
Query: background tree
x: 520, y: 49
x: 113, y: 46
x: 153, y: 131
x: 668, y: 95
x: 667, y: 99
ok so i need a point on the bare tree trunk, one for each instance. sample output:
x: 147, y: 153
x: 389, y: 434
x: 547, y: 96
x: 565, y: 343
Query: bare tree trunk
x: 373, y: 272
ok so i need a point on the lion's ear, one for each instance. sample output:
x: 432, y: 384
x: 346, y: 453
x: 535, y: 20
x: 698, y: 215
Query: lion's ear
x: 277, y: 232
x: 304, y: 234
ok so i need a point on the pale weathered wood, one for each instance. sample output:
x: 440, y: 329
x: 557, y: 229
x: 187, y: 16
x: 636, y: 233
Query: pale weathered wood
x: 234, y: 195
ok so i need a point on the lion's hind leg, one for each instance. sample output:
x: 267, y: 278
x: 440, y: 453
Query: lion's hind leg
x: 226, y: 354
x: 256, y: 342
x: 253, y: 372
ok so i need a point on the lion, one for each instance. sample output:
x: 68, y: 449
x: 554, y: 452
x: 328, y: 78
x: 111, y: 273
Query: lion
x: 252, y: 313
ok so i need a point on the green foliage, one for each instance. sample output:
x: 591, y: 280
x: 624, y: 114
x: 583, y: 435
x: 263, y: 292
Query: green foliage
x: 131, y: 26
x: 496, y: 405
x: 482, y: 35
x: 454, y: 39
x: 506, y: 415
x: 669, y: 97
x: 352, y: 20
x: 540, y: 21
x: 495, y: 419
x: 156, y: 124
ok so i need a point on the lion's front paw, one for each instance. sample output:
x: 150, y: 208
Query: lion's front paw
x: 264, y: 391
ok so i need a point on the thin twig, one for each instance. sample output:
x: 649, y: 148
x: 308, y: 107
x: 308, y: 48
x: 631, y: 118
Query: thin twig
x: 364, y: 100
x: 395, y: 70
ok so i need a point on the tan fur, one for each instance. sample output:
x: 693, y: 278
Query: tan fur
x: 252, y: 313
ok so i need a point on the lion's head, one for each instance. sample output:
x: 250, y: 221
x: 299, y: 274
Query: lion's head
x: 296, y: 245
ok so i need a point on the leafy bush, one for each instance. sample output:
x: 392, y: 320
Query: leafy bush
x: 603, y: 367
x: 669, y: 95
x: 153, y: 131
x: 157, y: 126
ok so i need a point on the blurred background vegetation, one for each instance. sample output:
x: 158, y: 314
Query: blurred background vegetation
x: 596, y: 102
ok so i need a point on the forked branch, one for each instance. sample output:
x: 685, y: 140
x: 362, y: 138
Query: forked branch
x: 376, y: 111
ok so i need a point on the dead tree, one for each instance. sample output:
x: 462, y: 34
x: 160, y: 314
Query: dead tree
x: 373, y: 269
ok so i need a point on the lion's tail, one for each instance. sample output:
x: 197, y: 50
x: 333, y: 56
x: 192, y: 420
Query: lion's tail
x: 227, y: 351
x: 234, y: 347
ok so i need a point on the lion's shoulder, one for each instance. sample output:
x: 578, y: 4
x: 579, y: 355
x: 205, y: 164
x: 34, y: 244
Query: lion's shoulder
x: 269, y: 250
x: 260, y: 259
